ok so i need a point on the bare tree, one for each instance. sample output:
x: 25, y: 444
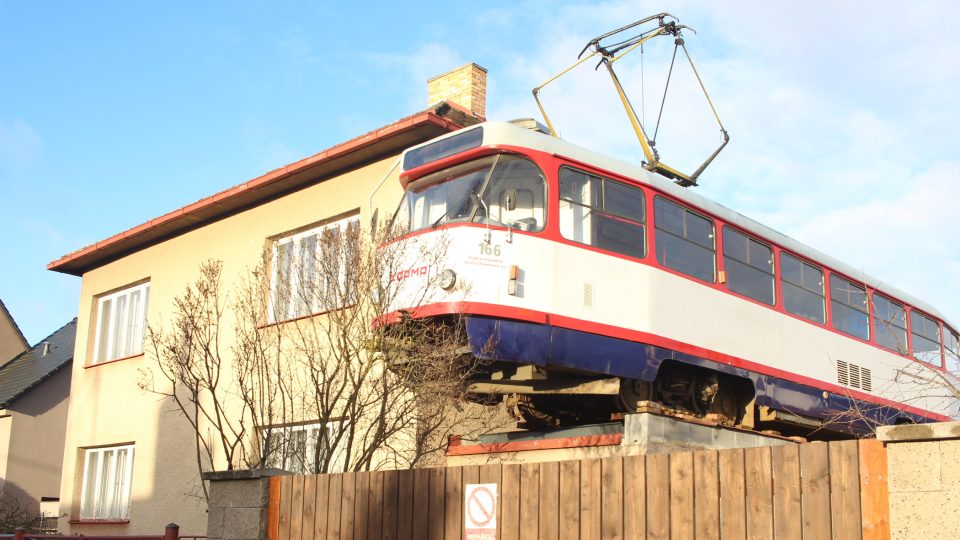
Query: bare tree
x: 307, y: 364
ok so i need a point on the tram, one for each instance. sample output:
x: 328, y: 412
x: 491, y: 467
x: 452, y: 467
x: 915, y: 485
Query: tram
x: 591, y: 286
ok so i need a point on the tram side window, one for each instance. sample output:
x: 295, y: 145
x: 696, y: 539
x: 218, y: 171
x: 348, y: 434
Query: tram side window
x: 926, y: 338
x: 848, y: 303
x: 602, y: 213
x: 802, y: 288
x: 749, y: 266
x: 684, y: 240
x: 951, y: 349
x: 889, y: 324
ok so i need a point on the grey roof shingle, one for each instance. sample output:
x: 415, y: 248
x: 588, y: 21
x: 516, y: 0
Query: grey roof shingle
x: 30, y: 368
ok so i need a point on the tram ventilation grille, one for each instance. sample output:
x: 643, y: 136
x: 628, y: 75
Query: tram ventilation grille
x: 854, y: 376
x: 588, y: 295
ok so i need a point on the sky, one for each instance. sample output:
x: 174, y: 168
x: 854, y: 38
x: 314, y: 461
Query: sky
x: 842, y: 115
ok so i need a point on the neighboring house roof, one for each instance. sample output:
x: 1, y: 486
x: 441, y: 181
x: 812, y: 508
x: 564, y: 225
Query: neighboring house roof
x: 32, y: 367
x: 13, y: 324
x: 437, y: 120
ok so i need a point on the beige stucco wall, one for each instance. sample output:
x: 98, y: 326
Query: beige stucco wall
x: 109, y: 408
x: 11, y: 342
x: 924, y: 481
x: 36, y: 435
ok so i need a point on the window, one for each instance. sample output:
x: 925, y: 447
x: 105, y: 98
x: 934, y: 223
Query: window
x: 848, y: 304
x: 107, y: 475
x: 311, y: 270
x: 602, y: 213
x: 951, y: 350
x: 511, y: 189
x: 121, y: 318
x: 684, y: 240
x: 304, y: 449
x: 801, y: 285
x: 926, y: 338
x: 889, y: 324
x: 749, y: 266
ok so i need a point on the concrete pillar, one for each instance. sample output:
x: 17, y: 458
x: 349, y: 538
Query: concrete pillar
x: 237, y: 505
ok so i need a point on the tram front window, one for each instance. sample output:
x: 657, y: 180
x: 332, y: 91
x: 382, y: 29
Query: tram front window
x: 503, y: 190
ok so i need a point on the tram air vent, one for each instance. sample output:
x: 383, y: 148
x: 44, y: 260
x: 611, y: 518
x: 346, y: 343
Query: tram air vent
x: 854, y: 376
x: 588, y: 295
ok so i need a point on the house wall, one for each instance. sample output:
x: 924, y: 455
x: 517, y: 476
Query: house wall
x: 11, y: 342
x: 36, y: 437
x: 108, y: 405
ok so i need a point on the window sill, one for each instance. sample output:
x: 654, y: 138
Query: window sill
x: 99, y: 521
x: 98, y: 364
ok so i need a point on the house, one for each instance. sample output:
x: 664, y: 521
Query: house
x: 12, y: 341
x: 34, y: 397
x: 129, y: 463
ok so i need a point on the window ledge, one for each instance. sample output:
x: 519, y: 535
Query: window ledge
x: 120, y: 521
x: 98, y: 364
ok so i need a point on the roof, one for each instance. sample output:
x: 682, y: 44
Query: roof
x: 422, y: 126
x: 13, y: 324
x: 507, y: 133
x: 31, y: 367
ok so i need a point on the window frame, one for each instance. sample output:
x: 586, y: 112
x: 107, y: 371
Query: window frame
x: 783, y: 280
x: 139, y: 322
x: 604, y: 212
x: 295, y: 239
x: 774, y: 297
x: 126, y: 487
x: 938, y: 341
x: 905, y: 347
x: 866, y: 307
x: 687, y: 210
x: 332, y: 427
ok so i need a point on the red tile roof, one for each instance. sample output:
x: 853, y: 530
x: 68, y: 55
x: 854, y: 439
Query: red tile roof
x: 363, y: 149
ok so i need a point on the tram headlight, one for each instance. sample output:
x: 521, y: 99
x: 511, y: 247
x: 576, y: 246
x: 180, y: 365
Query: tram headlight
x: 448, y: 278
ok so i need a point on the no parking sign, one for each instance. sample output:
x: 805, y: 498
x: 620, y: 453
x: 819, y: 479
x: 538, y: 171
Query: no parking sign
x: 480, y: 512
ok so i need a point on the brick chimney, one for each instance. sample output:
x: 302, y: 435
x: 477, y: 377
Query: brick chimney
x: 465, y: 86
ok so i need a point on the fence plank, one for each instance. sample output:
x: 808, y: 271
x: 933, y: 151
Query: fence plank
x: 634, y: 497
x: 681, y: 496
x: 549, y: 503
x: 286, y: 488
x: 590, y: 509
x: 611, y: 497
x: 321, y: 505
x: 296, y: 507
x: 420, y: 509
x: 658, y: 497
x: 874, y: 492
x: 348, y: 505
x: 815, y: 490
x: 569, y: 486
x: 309, y: 506
x: 273, y: 508
x: 453, y: 494
x: 375, y: 508
x: 391, y: 504
x: 510, y: 505
x: 529, y: 500
x: 733, y: 498
x: 334, y: 506
x: 845, y: 489
x: 706, y: 495
x: 471, y: 474
x: 490, y: 474
x: 787, y: 510
x: 759, y: 493
x: 437, y: 502
x: 361, y: 503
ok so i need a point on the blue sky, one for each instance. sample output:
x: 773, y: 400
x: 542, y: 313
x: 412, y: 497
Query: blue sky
x: 842, y: 120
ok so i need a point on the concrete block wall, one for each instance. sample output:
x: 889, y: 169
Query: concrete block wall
x: 923, y: 468
x: 237, y: 505
x: 466, y: 86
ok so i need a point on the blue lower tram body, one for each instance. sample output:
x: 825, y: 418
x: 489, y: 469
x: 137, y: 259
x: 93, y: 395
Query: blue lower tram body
x: 556, y: 347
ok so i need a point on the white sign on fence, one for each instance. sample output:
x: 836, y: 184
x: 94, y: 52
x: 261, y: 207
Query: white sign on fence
x: 480, y: 512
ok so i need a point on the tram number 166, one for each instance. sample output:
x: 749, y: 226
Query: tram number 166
x: 487, y: 249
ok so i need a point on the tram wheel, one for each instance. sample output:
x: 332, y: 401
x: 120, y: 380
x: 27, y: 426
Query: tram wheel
x: 632, y: 392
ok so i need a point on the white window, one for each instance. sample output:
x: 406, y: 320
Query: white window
x: 310, y: 270
x: 305, y: 448
x: 107, y: 474
x: 121, y: 318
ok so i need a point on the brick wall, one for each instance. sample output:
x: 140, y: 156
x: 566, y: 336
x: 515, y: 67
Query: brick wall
x: 466, y: 86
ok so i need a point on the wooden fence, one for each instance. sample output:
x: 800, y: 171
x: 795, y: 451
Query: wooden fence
x: 808, y: 491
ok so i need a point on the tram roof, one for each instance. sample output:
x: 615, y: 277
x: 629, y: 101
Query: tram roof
x: 506, y: 133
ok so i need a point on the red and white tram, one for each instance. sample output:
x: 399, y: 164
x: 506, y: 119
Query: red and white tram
x: 574, y: 270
